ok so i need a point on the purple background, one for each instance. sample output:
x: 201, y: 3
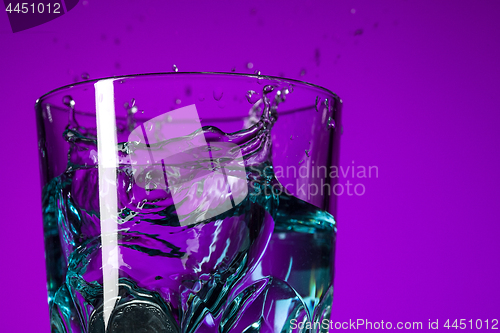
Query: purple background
x: 420, y: 87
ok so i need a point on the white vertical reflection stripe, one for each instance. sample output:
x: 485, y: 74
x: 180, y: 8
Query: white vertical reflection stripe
x: 108, y: 201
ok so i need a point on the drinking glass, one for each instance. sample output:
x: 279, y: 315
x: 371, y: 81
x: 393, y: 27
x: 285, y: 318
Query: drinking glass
x: 189, y: 202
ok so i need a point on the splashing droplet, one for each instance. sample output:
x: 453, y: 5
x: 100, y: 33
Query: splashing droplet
x: 174, y: 68
x: 302, y: 72
x: 68, y: 101
x: 252, y: 97
x: 267, y: 89
x: 85, y: 76
x: 249, y: 65
x: 218, y: 92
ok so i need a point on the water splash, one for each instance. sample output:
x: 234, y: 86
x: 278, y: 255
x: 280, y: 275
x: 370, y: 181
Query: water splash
x: 70, y: 103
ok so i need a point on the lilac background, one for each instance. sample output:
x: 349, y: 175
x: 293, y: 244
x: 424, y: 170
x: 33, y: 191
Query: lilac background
x: 421, y: 102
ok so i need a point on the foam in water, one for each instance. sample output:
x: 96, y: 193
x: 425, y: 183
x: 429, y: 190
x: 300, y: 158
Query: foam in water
x: 187, y: 265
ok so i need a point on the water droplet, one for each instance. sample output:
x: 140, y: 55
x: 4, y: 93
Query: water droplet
x: 268, y: 88
x: 307, y: 152
x: 331, y: 123
x: 222, y: 104
x: 233, y: 69
x: 68, y: 101
x: 174, y: 68
x: 301, y: 161
x: 257, y: 72
x: 134, y: 109
x: 132, y: 101
x: 177, y: 101
x: 358, y: 32
x: 85, y: 3
x: 317, y: 103
x: 85, y: 76
x: 218, y: 93
x: 291, y: 137
x: 249, y: 65
x: 252, y: 97
x: 302, y: 72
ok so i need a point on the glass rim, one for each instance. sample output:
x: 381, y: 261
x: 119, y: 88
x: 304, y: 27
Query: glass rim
x: 159, y: 74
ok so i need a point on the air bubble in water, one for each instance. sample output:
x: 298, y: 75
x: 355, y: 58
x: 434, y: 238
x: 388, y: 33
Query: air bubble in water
x: 249, y: 65
x: 174, y: 68
x: 68, y: 101
x: 218, y: 93
x: 85, y: 76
